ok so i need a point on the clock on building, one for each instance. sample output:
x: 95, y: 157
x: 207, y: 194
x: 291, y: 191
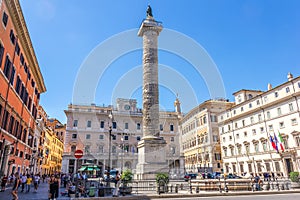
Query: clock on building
x: 127, y: 107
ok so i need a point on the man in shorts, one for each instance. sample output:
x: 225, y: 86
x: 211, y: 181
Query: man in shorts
x: 16, y: 183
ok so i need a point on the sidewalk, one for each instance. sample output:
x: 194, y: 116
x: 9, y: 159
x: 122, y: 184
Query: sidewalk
x: 42, y: 194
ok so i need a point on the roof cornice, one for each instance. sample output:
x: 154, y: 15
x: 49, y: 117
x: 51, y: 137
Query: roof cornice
x: 15, y: 11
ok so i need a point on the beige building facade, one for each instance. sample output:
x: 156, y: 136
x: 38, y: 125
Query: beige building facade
x: 247, y: 127
x: 88, y: 130
x: 200, y: 144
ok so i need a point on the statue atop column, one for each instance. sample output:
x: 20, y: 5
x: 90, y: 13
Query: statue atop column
x: 149, y: 11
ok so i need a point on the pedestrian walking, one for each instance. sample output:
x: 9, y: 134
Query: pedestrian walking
x: 36, y: 182
x: 3, y: 183
x: 53, y: 187
x: 23, y: 182
x: 28, y: 183
x: 16, y: 183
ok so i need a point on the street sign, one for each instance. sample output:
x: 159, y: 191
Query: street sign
x: 78, y: 154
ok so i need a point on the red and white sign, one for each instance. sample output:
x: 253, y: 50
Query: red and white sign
x: 78, y: 154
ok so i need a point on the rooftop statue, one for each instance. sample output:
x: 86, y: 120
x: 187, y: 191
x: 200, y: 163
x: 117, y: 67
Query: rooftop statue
x: 149, y: 11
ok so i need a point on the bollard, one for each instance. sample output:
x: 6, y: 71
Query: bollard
x: 176, y: 188
x: 220, y: 187
x: 181, y: 186
x: 287, y: 185
x: 171, y: 188
x: 282, y: 186
x: 190, y: 184
x: 197, y: 189
x: 225, y: 185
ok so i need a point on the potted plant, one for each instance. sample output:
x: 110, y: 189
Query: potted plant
x: 294, y: 176
x: 126, y: 178
x: 162, y: 180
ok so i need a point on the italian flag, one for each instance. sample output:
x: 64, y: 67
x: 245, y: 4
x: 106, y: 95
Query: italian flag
x: 281, y: 141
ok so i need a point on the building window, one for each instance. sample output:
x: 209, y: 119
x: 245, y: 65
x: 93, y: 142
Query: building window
x: 257, y: 102
x: 243, y: 123
x: 1, y: 54
x: 126, y: 137
x: 259, y: 118
x: 88, y: 136
x: 268, y: 167
x: 114, y: 125
x: 89, y: 124
x: 230, y: 138
x: 12, y: 36
x: 264, y: 144
x: 259, y: 166
x: 73, y: 148
x: 249, y: 167
x: 236, y: 125
x: 294, y: 122
x: 250, y: 105
x: 215, y: 138
x: 245, y: 134
x: 234, y: 112
x: 232, y: 151
x: 138, y: 126
x: 224, y: 140
x: 247, y: 148
x: 204, y: 120
x: 261, y: 129
x: 237, y: 136
x: 298, y: 84
x: 281, y: 124
x: 101, y: 137
x: 285, y: 143
x: 100, y: 149
x: 138, y: 138
x: 172, y: 139
x: 266, y: 99
x: 276, y: 94
x: 271, y: 128
x: 239, y: 148
x: 277, y: 166
x: 161, y: 127
x: 114, y: 137
x: 291, y: 107
x: 242, y: 109
x: 279, y: 111
x: 297, y: 139
x: 114, y: 149
x: 225, y: 152
x: 251, y: 120
x: 126, y: 125
x: 74, y: 136
x: 287, y: 90
x: 4, y: 19
x: 171, y: 127
x: 102, y: 124
x: 253, y: 132
x: 256, y: 147
x: 87, y: 149
x: 268, y: 115
x: 228, y: 127
x: 75, y: 123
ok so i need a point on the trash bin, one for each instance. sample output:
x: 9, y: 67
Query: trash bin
x: 92, y: 191
x: 101, y: 192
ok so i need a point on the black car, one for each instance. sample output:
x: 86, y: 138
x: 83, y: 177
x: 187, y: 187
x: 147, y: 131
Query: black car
x: 190, y: 176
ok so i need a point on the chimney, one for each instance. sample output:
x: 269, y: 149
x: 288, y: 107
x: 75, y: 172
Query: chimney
x: 269, y: 86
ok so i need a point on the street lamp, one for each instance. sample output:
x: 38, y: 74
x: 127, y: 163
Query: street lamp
x: 110, y: 116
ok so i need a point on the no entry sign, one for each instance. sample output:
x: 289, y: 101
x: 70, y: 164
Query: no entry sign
x: 78, y: 154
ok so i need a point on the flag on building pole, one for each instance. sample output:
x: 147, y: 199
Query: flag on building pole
x: 272, y: 142
x: 281, y: 141
x: 276, y: 143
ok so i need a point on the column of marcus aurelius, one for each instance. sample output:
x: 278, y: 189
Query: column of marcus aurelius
x: 151, y: 156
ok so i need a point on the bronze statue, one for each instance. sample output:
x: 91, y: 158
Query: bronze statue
x: 149, y: 11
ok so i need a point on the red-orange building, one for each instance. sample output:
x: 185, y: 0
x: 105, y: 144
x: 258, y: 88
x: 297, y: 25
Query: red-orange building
x: 21, y: 84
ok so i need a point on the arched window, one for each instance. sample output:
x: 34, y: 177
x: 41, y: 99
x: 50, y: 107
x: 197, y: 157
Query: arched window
x: 73, y: 148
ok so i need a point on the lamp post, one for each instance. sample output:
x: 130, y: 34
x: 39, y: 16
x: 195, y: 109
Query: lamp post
x: 109, y: 146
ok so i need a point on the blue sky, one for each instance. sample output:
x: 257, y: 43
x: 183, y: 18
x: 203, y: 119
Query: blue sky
x: 252, y: 43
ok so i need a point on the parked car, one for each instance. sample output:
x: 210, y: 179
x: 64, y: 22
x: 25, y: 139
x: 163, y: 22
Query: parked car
x: 190, y: 176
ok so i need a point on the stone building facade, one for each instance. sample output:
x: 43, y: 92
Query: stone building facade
x: 247, y: 127
x: 200, y: 143
x: 88, y: 129
x: 21, y: 84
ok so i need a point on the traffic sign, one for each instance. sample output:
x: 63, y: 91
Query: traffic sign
x: 78, y: 154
